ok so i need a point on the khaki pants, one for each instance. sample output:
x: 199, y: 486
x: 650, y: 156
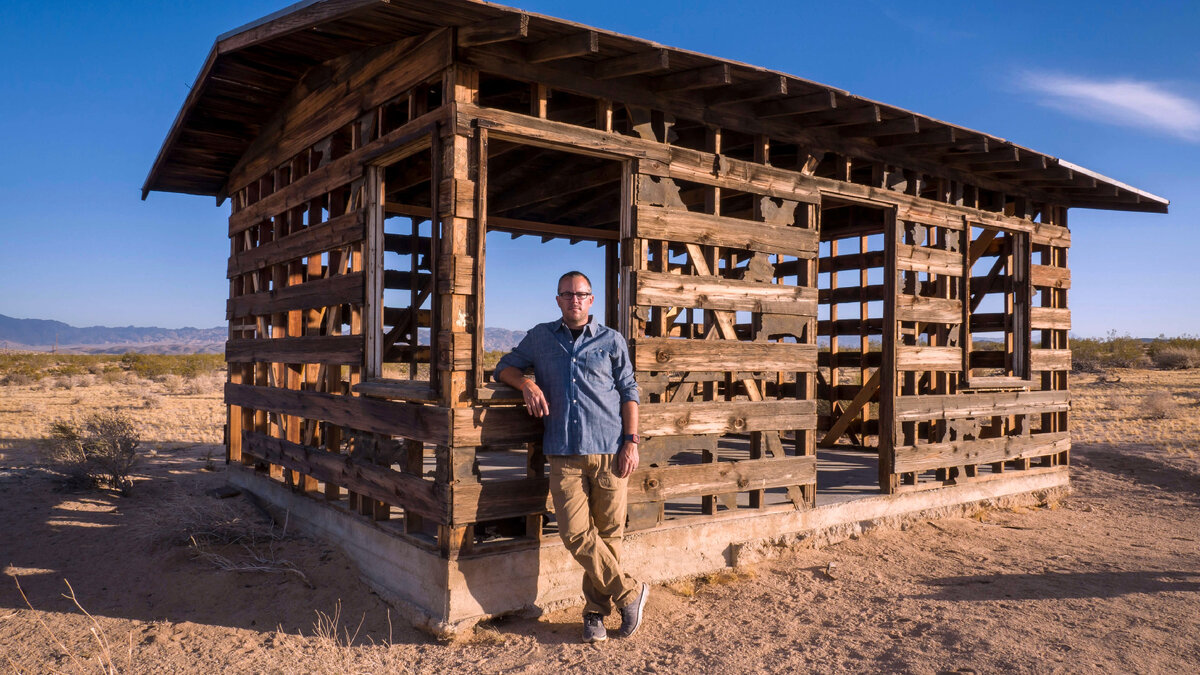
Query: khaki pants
x: 589, y: 505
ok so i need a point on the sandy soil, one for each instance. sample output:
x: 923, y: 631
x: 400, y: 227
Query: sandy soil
x: 1107, y: 580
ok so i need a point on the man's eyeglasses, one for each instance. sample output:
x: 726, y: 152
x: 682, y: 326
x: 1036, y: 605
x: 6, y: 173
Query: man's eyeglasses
x: 567, y: 295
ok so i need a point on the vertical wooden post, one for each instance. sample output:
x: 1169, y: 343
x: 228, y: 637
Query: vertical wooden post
x: 887, y: 366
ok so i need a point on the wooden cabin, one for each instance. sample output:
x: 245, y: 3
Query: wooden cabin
x: 807, y: 279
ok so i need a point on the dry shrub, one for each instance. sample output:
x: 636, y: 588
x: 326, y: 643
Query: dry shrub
x: 101, y: 452
x: 17, y: 379
x: 1176, y: 358
x: 1160, y: 405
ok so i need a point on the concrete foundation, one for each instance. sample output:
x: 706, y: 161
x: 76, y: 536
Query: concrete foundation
x: 445, y: 597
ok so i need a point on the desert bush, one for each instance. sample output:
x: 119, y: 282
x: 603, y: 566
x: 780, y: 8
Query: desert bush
x: 101, y: 451
x: 1176, y: 358
x: 1160, y: 405
x: 1091, y: 355
x: 154, y: 366
x: 17, y: 379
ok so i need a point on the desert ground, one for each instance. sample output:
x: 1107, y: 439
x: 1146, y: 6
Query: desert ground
x: 172, y: 579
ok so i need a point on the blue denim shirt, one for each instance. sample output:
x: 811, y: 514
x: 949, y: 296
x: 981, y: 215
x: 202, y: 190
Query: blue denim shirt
x: 585, y: 383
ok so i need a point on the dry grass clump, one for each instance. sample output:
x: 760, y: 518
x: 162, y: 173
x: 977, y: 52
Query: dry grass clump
x: 1160, y: 405
x: 101, y: 451
x: 1176, y: 358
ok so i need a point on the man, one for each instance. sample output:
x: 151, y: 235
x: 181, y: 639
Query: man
x: 586, y: 393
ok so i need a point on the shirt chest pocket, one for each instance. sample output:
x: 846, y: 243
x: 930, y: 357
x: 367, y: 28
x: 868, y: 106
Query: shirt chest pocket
x: 596, y: 362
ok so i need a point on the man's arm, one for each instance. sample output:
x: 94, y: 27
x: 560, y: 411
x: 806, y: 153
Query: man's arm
x: 627, y: 456
x: 535, y: 400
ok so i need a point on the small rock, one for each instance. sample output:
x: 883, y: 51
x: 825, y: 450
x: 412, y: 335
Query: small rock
x: 224, y: 492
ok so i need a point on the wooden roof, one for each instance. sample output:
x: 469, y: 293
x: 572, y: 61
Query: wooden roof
x: 250, y: 71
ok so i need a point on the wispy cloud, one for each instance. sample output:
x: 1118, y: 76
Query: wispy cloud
x: 1137, y: 103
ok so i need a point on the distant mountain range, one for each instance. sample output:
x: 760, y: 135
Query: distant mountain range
x: 44, y: 335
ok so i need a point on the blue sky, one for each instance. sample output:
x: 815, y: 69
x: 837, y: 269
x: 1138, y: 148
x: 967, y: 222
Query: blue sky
x: 87, y: 94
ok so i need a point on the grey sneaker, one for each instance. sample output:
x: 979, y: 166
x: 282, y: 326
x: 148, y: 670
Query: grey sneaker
x: 593, y: 628
x: 631, y: 614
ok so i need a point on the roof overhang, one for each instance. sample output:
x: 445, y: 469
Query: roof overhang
x: 251, y: 70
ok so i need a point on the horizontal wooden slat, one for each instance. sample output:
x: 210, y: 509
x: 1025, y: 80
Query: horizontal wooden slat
x: 492, y: 500
x: 989, y: 322
x: 931, y: 260
x: 397, y: 390
x: 1048, y: 276
x: 428, y: 424
x: 982, y: 451
x: 341, y: 289
x: 662, y: 289
x: 720, y: 417
x: 402, y: 244
x: 694, y: 480
x: 1049, y: 318
x: 333, y: 175
x: 928, y: 358
x: 851, y: 261
x: 851, y: 294
x: 851, y: 327
x: 335, y: 233
x: 496, y: 425
x: 400, y: 280
x: 736, y: 174
x: 928, y: 310
x: 409, y: 492
x: 333, y: 349
x: 699, y: 228
x: 664, y: 354
x: 915, y: 408
x: 1050, y: 359
x: 849, y: 358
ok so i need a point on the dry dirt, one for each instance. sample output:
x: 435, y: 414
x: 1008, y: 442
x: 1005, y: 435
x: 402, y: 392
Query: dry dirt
x: 1107, y: 580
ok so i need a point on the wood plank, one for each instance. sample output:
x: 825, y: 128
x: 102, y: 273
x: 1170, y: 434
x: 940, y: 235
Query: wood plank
x: 335, y: 233
x: 669, y: 224
x: 492, y: 500
x: 928, y: 358
x: 503, y: 29
x: 851, y: 294
x: 312, y: 294
x: 510, y: 126
x: 367, y: 479
x: 1047, y: 276
x: 704, y: 77
x: 930, y: 260
x: 721, y: 417
x: 797, y: 105
x: 419, y: 391
x: 928, y: 310
x: 665, y: 354
x: 565, y: 47
x: 653, y: 61
x: 332, y: 349
x: 656, y: 484
x: 663, y: 289
x: 1050, y: 359
x: 1049, y: 318
x: 298, y: 193
x: 428, y: 424
x: 494, y: 425
x: 930, y: 407
x: 738, y: 174
x: 981, y: 451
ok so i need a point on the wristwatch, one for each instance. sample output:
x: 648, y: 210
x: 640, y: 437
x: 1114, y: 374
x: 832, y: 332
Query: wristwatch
x: 631, y: 438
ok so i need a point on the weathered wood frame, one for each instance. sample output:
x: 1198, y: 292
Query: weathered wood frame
x: 306, y: 404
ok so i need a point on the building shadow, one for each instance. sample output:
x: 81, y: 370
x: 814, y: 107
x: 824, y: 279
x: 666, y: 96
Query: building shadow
x: 1061, y: 585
